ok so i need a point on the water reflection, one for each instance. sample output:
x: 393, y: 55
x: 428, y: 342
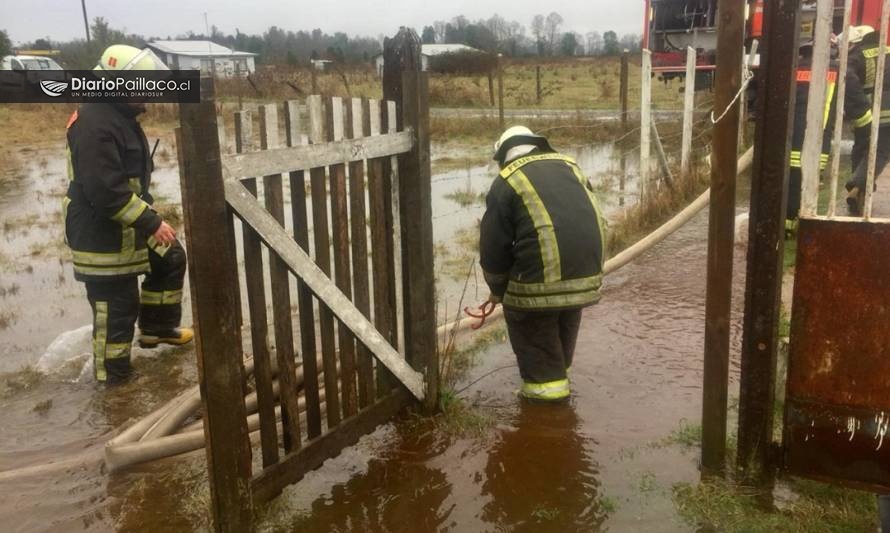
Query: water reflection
x: 540, y: 476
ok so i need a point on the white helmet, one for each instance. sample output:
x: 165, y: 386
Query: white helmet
x: 857, y: 33
x: 125, y: 57
x: 515, y: 136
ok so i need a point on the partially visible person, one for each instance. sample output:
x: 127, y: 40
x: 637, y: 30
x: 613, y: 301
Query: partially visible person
x: 861, y: 72
x: 113, y: 232
x: 802, y: 88
x: 541, y: 246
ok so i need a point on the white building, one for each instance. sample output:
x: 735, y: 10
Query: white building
x: 427, y: 51
x: 204, y: 56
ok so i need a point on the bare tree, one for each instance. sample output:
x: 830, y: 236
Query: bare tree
x: 538, y: 32
x: 552, y: 25
x: 439, y: 26
x: 594, y: 43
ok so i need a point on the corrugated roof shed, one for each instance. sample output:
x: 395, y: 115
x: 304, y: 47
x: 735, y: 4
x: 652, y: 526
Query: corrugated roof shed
x: 196, y: 49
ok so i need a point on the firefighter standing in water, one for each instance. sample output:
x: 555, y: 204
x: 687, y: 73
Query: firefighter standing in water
x: 113, y: 232
x: 861, y: 70
x: 541, y: 246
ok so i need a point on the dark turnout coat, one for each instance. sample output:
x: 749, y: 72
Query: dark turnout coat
x: 542, y: 235
x: 108, y: 218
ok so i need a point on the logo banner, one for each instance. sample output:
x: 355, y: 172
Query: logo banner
x: 81, y: 86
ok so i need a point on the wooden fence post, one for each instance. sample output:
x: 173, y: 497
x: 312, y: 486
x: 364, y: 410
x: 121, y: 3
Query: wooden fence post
x: 769, y: 183
x: 415, y: 199
x: 815, y: 130
x: 622, y: 93
x: 721, y: 228
x: 501, y: 91
x: 538, y: 84
x: 213, y: 276
x: 837, y: 135
x: 688, y: 108
x: 491, y: 88
x: 645, y: 122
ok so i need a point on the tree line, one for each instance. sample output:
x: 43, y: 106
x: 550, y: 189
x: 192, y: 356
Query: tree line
x: 546, y: 36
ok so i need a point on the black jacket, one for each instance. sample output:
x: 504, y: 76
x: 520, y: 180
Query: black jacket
x: 862, y: 66
x: 542, y: 235
x: 802, y: 96
x: 108, y: 218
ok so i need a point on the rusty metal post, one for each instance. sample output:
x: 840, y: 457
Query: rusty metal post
x: 721, y: 226
x: 763, y: 286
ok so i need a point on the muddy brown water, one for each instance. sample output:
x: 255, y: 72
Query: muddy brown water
x: 597, y: 463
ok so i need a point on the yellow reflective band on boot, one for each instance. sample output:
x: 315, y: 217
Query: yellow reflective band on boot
x: 131, y: 211
x: 99, y: 340
x: 795, y: 159
x: 161, y: 297
x: 543, y: 224
x: 552, y: 390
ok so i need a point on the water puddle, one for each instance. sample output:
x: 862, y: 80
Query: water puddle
x: 637, y: 374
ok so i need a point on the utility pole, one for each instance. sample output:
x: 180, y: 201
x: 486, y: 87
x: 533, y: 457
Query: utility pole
x: 721, y: 227
x: 86, y: 21
x: 763, y: 286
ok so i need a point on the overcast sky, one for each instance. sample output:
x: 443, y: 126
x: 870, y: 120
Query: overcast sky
x: 61, y: 20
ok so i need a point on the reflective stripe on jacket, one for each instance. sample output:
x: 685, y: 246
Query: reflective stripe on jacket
x: 542, y: 235
x: 107, y: 208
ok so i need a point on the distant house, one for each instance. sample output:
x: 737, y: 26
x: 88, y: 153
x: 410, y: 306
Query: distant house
x: 427, y: 51
x: 204, y: 56
x: 321, y: 64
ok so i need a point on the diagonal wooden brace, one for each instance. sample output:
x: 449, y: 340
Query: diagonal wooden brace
x: 275, y: 236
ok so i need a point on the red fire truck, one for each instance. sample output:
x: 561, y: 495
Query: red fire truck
x: 672, y: 25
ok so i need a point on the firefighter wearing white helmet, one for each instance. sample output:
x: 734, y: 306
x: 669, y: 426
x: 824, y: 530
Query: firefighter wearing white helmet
x: 541, y: 249
x: 861, y: 70
x: 115, y: 234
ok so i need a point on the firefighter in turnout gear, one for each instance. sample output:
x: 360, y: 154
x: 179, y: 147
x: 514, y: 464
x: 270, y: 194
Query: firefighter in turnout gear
x: 541, y: 247
x: 861, y: 69
x: 802, y: 88
x: 115, y: 235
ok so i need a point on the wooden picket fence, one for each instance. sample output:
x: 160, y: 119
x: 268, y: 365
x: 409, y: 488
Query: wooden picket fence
x: 344, y: 270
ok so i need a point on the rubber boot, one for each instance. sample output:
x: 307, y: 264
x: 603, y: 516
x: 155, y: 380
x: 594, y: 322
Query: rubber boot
x: 175, y: 337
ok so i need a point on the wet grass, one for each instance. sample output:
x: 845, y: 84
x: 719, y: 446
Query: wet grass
x: 478, y: 132
x: 466, y: 197
x: 644, y: 217
x: 813, y: 507
x: 7, y: 319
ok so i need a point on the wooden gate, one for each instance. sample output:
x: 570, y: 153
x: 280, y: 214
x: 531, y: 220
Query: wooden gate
x: 348, y: 236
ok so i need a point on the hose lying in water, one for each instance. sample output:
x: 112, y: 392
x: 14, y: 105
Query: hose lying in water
x: 129, y: 448
x: 175, y: 439
x: 640, y: 247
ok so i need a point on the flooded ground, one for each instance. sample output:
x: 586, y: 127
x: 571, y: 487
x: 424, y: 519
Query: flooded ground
x: 600, y: 463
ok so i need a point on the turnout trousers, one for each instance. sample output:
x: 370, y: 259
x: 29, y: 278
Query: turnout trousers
x: 859, y: 156
x: 117, y: 305
x: 544, y: 344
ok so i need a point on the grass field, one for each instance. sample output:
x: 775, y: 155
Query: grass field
x: 578, y: 83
